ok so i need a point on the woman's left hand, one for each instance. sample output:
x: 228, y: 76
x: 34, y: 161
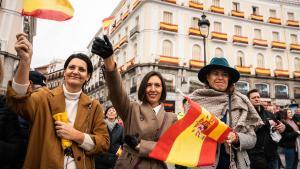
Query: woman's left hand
x: 66, y: 131
x: 232, y: 138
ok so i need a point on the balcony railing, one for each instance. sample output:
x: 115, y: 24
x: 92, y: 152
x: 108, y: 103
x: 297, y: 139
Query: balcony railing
x: 281, y: 95
x: 274, y: 20
x: 281, y: 73
x: 116, y: 46
x: 278, y: 45
x: 123, y: 41
x: 217, y: 9
x: 168, y: 27
x: 196, y: 5
x: 243, y: 69
x: 170, y: 1
x: 196, y: 63
x: 219, y: 36
x: 292, y: 23
x: 240, y: 39
x: 124, y: 16
x: 262, y: 71
x: 134, y: 30
x: 297, y: 74
x: 169, y: 60
x: 295, y: 47
x: 260, y: 42
x: 194, y: 31
x: 135, y: 4
x: 239, y: 14
x: 130, y: 63
x: 257, y: 17
x: 264, y: 94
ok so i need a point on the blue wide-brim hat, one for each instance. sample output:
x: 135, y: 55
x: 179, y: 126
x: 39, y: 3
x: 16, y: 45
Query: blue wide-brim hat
x: 218, y: 63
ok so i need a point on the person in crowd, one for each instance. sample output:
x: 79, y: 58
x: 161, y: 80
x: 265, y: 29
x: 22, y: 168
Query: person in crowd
x: 143, y: 122
x: 264, y: 155
x: 290, y: 140
x: 220, y: 98
x: 10, y: 134
x: 108, y: 159
x: 296, y: 116
x: 37, y: 80
x: 53, y: 143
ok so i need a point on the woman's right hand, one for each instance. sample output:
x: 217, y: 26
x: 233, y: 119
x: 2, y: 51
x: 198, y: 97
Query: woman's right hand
x: 102, y: 47
x: 23, y: 48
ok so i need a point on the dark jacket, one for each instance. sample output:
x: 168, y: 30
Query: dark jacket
x: 108, y: 159
x: 288, y: 137
x: 265, y: 148
x: 9, y: 137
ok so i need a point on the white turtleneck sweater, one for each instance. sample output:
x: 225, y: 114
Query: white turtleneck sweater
x: 71, y: 100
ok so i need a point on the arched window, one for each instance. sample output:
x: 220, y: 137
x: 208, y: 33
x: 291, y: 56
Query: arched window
x: 196, y: 53
x: 263, y: 90
x: 281, y: 91
x: 167, y: 48
x: 194, y: 23
x: 297, y: 64
x: 242, y: 87
x: 240, y: 58
x: 219, y: 52
x: 279, y: 62
x: 260, y: 60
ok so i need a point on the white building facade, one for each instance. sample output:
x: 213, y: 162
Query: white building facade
x: 260, y: 38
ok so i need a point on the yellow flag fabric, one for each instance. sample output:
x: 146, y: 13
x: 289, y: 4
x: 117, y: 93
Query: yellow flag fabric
x: 106, y: 22
x: 63, y: 117
x: 59, y: 10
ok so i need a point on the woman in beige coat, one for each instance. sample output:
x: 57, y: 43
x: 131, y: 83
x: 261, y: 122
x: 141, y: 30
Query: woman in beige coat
x: 143, y: 123
x: 84, y: 126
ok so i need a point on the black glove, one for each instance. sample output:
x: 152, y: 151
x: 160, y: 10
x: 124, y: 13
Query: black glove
x: 131, y: 140
x: 101, y: 47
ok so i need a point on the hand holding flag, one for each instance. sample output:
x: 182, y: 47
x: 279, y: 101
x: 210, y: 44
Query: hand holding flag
x: 63, y: 117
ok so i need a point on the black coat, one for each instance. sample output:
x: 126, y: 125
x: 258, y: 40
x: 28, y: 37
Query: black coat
x: 265, y: 148
x: 10, y: 138
x: 108, y: 159
x: 288, y: 137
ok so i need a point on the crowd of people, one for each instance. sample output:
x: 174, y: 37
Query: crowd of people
x: 64, y: 128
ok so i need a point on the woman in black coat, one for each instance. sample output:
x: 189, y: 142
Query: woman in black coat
x: 108, y: 159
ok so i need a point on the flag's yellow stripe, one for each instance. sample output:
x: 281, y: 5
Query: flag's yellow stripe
x: 183, y: 144
x: 62, y: 5
x: 218, y: 131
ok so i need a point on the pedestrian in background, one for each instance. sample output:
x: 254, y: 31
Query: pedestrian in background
x: 143, y: 122
x: 107, y: 160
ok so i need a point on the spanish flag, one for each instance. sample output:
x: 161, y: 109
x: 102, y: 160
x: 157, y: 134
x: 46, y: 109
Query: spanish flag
x: 192, y: 141
x: 119, y: 152
x: 107, y: 21
x: 63, y: 117
x: 59, y: 10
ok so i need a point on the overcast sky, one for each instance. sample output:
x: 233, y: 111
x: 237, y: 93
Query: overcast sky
x: 61, y: 39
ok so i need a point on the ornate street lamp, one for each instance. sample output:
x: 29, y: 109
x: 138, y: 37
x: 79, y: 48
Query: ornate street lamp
x: 204, y: 24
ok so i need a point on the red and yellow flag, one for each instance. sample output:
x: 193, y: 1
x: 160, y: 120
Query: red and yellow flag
x: 59, y: 10
x: 119, y: 152
x: 192, y: 141
x: 107, y: 21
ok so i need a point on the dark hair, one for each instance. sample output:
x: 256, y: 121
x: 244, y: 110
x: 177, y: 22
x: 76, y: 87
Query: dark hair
x: 83, y: 57
x: 284, y: 114
x: 106, y: 111
x: 143, y: 86
x: 252, y: 91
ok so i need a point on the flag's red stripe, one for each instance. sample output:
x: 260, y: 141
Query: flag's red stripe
x: 210, y: 129
x: 208, y: 152
x: 223, y: 137
x: 48, y: 14
x: 166, y: 141
x: 109, y: 18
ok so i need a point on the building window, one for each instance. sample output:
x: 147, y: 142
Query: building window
x: 167, y: 17
x: 167, y: 48
x: 170, y: 82
x: 263, y: 90
x: 216, y: 2
x: 119, y: 37
x: 273, y: 13
x: 137, y: 20
x: 275, y: 36
x: 297, y: 92
x: 294, y: 39
x: 240, y: 58
x: 219, y: 52
x: 236, y: 6
x: 126, y: 31
x: 133, y: 85
x: 279, y: 62
x: 195, y: 22
x: 281, y: 92
x: 290, y: 16
x: 217, y: 27
x: 255, y: 10
x: 135, y: 50
x: 197, y: 1
x: 242, y: 87
x: 196, y: 52
x: 260, y: 61
x: 124, y: 59
x: 257, y: 33
x: 237, y: 30
x: 297, y: 64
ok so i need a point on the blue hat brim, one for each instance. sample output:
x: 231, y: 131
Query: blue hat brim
x: 234, y: 74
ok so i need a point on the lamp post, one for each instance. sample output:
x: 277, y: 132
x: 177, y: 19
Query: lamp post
x: 204, y: 24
